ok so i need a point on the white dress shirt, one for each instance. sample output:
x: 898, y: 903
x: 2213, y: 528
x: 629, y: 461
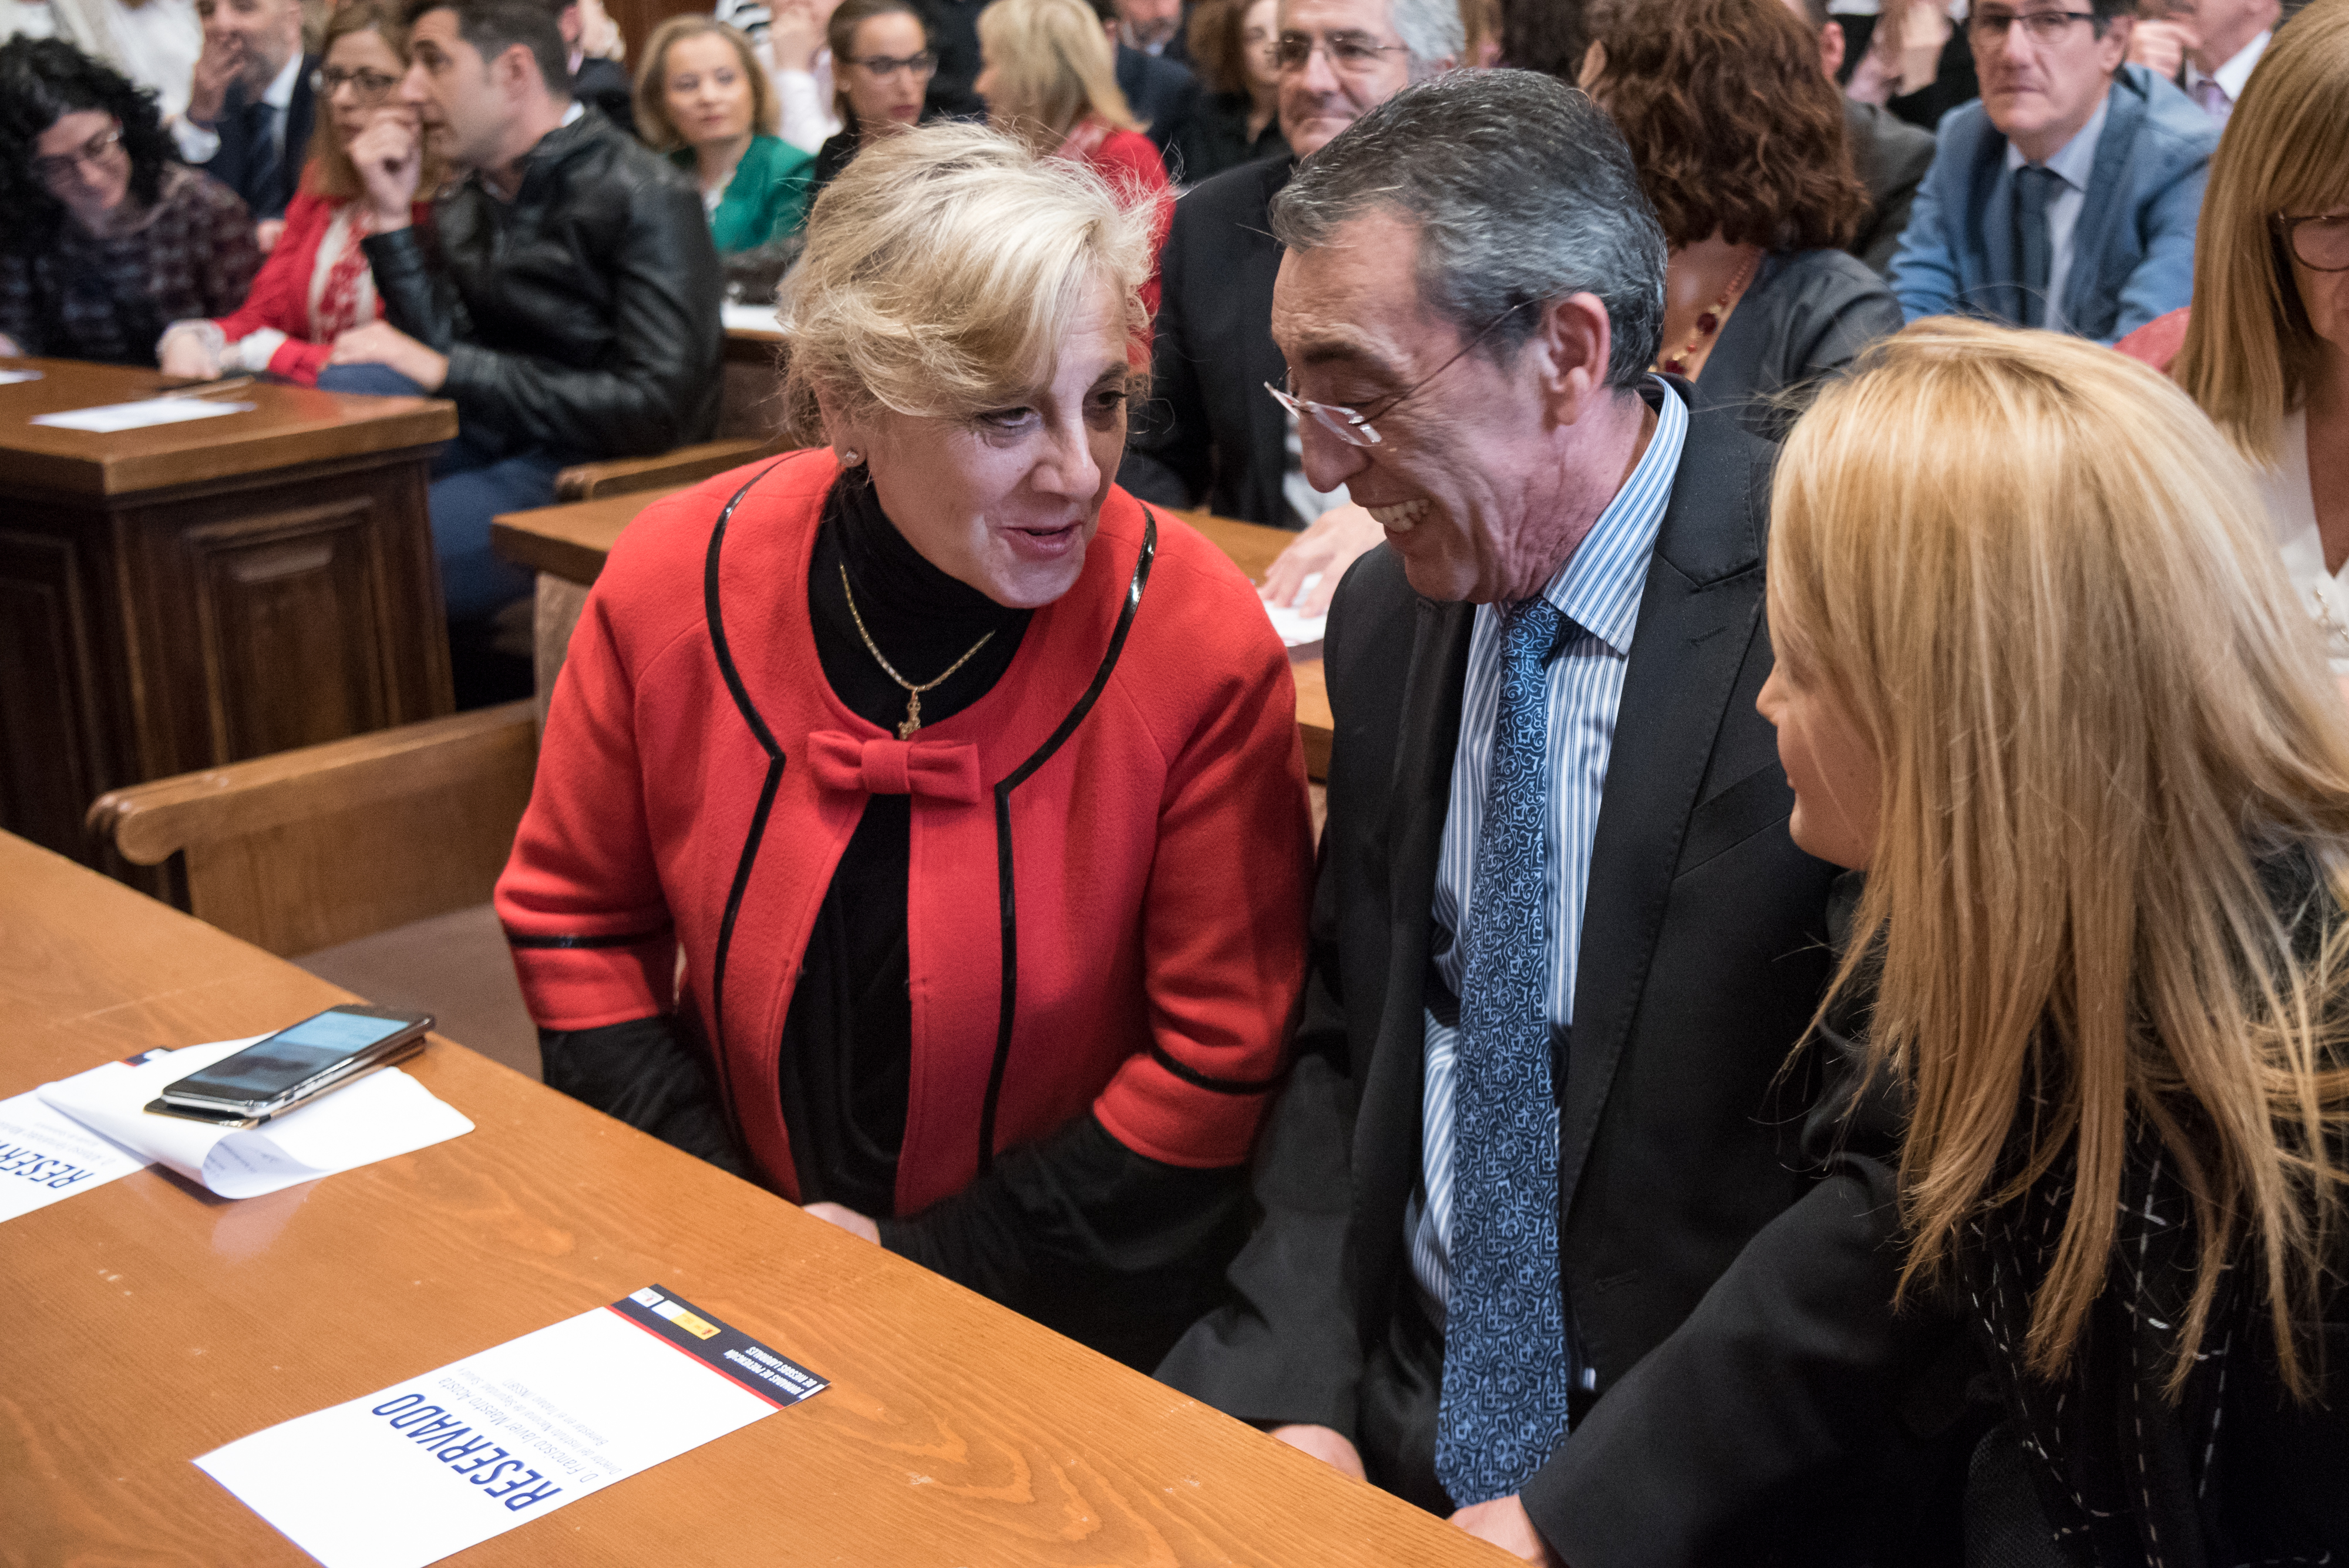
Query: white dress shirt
x: 198, y: 143
x: 2292, y: 507
x: 804, y: 99
x: 2070, y: 164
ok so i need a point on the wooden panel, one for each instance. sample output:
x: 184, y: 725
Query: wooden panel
x: 53, y: 753
x: 287, y: 424
x: 171, y: 1321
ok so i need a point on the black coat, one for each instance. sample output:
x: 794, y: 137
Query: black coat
x: 1216, y: 137
x: 1702, y: 954
x: 244, y: 165
x: 1892, y: 157
x: 1161, y: 93
x: 1210, y: 435
x: 1805, y: 317
x: 602, y: 85
x: 580, y: 319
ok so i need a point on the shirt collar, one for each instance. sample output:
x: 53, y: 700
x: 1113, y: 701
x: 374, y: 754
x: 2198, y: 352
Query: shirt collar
x: 279, y: 94
x: 571, y: 114
x: 2232, y: 76
x: 1599, y: 587
x: 2072, y: 162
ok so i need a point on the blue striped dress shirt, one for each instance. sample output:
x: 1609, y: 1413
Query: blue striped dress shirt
x: 1598, y: 591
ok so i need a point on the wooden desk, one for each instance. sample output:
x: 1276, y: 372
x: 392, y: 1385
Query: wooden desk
x: 570, y: 541
x: 157, y: 1323
x: 753, y: 372
x: 190, y: 594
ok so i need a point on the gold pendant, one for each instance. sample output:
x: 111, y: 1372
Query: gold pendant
x: 913, y: 716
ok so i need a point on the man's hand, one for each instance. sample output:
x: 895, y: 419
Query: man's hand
x: 380, y: 343
x: 2162, y: 46
x: 1332, y: 1447
x: 389, y: 157
x: 1329, y: 547
x: 848, y: 1220
x: 1504, y: 1522
x: 187, y: 354
x: 218, y: 65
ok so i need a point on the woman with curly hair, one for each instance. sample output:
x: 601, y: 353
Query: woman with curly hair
x: 316, y: 282
x: 1237, y: 119
x: 1739, y: 137
x: 103, y: 237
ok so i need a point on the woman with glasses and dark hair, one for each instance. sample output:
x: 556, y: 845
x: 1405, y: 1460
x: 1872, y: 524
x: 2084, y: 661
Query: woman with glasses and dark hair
x: 106, y: 237
x: 1739, y: 141
x: 1235, y: 48
x: 316, y: 283
x: 882, y: 63
x: 2266, y: 350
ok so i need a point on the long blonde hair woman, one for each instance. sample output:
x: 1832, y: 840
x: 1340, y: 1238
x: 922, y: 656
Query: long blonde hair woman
x: 2267, y: 347
x: 2041, y: 676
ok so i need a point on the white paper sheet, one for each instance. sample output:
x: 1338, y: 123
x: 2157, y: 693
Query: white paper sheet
x: 10, y: 378
x: 45, y: 1157
x: 108, y: 418
x: 386, y: 1114
x: 749, y: 317
x: 1296, y: 630
x: 413, y: 1472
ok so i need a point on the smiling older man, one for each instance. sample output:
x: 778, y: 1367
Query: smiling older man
x: 1562, y: 944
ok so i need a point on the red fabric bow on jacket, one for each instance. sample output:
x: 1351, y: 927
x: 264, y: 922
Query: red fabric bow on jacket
x: 937, y: 769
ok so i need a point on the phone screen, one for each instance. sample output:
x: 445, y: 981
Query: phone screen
x: 269, y: 1068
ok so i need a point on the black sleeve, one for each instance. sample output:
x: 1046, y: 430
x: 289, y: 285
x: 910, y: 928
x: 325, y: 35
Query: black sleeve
x: 417, y: 297
x: 644, y: 1074
x: 1788, y: 1380
x: 1079, y: 1232
x: 1167, y: 458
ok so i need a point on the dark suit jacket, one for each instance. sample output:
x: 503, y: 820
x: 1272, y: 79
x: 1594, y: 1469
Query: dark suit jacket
x: 1703, y: 956
x: 1160, y: 92
x: 602, y: 85
x: 1892, y: 157
x: 1210, y: 434
x: 1806, y: 317
x: 242, y: 164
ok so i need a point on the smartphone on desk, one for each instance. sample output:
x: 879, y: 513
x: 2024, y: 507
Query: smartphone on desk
x: 295, y: 1066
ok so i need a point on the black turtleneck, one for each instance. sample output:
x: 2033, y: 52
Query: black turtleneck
x: 1079, y: 1231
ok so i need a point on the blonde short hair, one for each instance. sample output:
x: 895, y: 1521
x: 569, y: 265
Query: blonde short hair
x: 944, y: 267
x: 2250, y: 351
x: 2044, y: 587
x: 1052, y: 64
x: 652, y: 80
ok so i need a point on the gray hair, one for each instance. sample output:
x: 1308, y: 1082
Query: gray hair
x: 1431, y: 31
x: 1523, y: 191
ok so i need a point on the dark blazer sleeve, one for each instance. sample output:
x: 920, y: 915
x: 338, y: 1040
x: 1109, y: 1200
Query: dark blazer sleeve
x: 1168, y: 453
x: 1793, y: 1365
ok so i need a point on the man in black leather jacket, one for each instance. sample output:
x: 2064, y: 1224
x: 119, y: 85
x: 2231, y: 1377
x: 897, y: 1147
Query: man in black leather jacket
x: 565, y: 295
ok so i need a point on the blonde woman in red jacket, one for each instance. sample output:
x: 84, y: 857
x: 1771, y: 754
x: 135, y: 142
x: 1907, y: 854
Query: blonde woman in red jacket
x: 316, y: 282
x: 969, y: 787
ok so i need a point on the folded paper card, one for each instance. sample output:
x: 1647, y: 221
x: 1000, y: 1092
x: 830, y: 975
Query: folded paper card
x: 749, y: 317
x: 108, y: 418
x: 1297, y: 628
x: 445, y: 1459
x: 380, y: 1116
x: 47, y: 1155
x: 10, y: 378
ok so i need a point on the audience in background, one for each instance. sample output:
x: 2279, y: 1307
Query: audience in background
x: 2267, y: 347
x: 883, y: 62
x: 953, y: 26
x: 1050, y: 79
x: 703, y: 98
x: 1211, y: 436
x: 104, y: 237
x: 2040, y: 676
x: 1545, y: 36
x: 155, y: 43
x: 959, y: 335
x: 2066, y: 197
x: 1889, y: 155
x: 1739, y: 139
x: 602, y: 84
x: 316, y: 283
x: 564, y: 296
x: 1236, y: 47
x: 2207, y: 47
x: 251, y: 104
x: 1154, y: 27
x: 1162, y: 92
x: 793, y: 46
x: 1563, y: 949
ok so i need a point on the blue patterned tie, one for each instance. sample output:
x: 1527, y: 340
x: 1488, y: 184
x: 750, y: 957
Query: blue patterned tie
x: 1504, y: 1351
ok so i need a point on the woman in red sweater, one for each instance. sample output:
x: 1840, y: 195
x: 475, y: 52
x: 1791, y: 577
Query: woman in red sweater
x: 968, y: 786
x: 316, y: 282
x: 1050, y: 77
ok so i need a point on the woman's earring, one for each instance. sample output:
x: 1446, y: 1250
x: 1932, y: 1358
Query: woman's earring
x: 850, y: 457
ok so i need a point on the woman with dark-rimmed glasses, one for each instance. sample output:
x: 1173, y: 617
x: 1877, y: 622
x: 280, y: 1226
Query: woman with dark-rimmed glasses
x: 2266, y: 353
x: 103, y: 237
x: 316, y: 283
x: 882, y: 63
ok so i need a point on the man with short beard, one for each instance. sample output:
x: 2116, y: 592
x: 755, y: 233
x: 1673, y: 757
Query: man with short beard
x: 250, y: 105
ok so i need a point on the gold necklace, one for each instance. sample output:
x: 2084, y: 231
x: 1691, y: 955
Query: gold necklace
x: 913, y: 692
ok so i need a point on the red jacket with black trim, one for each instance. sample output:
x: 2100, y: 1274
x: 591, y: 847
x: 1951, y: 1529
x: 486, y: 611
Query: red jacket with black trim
x: 1122, y: 817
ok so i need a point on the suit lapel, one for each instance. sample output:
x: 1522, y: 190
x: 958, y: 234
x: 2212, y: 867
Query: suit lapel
x: 1259, y: 267
x: 2102, y: 210
x: 1999, y: 289
x: 1696, y: 618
